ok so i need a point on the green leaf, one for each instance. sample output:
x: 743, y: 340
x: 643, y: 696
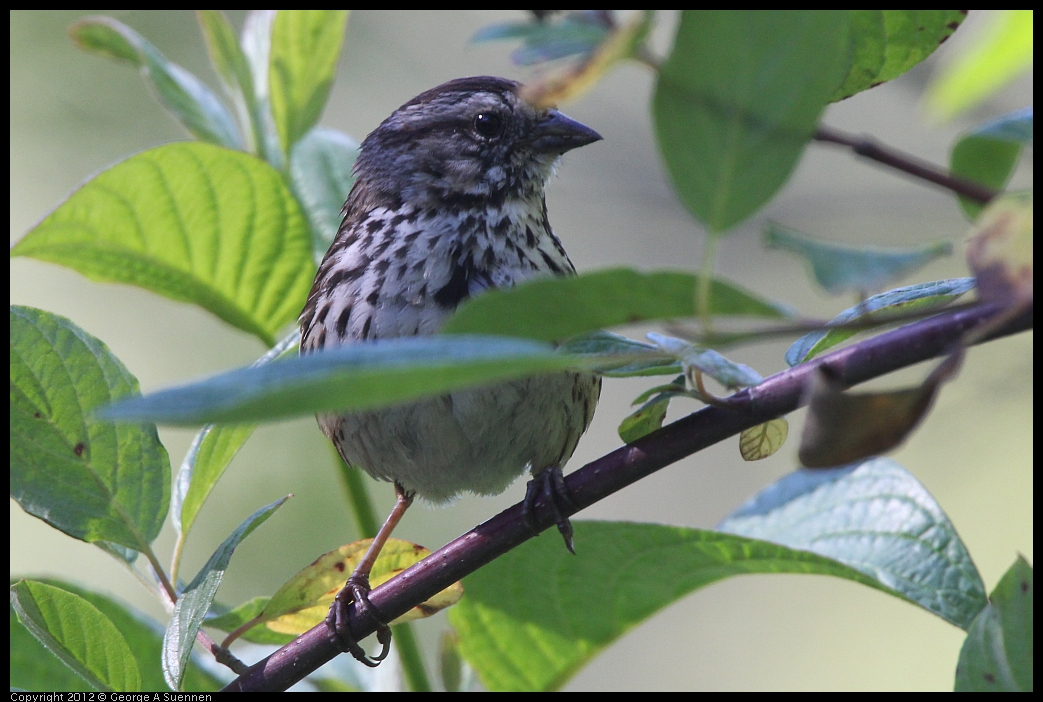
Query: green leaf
x: 355, y: 377
x: 876, y: 518
x: 256, y: 41
x: 989, y: 154
x: 32, y: 668
x: 913, y: 35
x: 304, y: 50
x: 537, y: 614
x: 645, y: 420
x: 997, y: 654
x: 841, y: 268
x: 193, y: 222
x: 868, y: 49
x: 78, y: 634
x: 887, y: 43
x: 650, y: 359
x: 212, y: 450
x: 999, y: 55
x: 738, y: 98
x: 728, y: 373
x: 553, y: 309
x: 921, y: 296
x: 232, y: 66
x: 194, y: 602
x: 91, y: 479
x: 321, y: 178
x: 183, y: 95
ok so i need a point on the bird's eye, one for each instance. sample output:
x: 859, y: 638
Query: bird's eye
x: 488, y: 124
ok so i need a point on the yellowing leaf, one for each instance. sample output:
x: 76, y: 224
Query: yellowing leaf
x: 305, y: 599
x: 1000, y: 250
x: 560, y: 86
x: 763, y: 440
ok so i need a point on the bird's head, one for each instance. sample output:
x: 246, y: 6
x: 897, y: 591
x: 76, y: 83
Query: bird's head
x: 468, y: 140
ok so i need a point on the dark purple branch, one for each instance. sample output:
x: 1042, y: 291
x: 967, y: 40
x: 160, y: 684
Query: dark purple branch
x: 776, y: 396
x: 872, y: 149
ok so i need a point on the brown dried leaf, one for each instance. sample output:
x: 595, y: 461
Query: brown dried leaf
x: 844, y: 427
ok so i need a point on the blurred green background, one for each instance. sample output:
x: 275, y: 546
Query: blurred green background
x: 73, y: 114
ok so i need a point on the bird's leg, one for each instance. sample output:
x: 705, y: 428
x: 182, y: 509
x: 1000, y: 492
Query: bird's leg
x: 550, y: 483
x: 356, y: 591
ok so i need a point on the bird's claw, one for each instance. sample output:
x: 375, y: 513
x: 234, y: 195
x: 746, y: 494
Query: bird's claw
x: 550, y: 483
x: 356, y: 591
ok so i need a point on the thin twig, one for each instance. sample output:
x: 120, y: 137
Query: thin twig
x: 776, y: 396
x: 872, y: 149
x: 871, y: 320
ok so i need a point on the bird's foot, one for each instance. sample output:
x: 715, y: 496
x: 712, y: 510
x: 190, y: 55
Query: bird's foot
x: 550, y: 483
x: 356, y: 591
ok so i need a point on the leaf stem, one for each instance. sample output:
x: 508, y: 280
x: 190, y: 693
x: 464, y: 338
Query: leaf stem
x: 361, y: 506
x: 870, y: 148
x: 411, y: 658
x: 704, y: 284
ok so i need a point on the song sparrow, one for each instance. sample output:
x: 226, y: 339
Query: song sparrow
x: 448, y: 201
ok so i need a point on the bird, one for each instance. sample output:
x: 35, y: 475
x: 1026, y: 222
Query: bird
x: 448, y: 202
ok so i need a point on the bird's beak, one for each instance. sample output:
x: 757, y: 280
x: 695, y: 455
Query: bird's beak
x: 557, y: 134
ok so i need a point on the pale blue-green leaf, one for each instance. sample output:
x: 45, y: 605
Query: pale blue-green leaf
x: 359, y: 376
x: 578, y: 32
x: 728, y: 373
x: 211, y: 452
x: 997, y: 654
x: 842, y: 268
x: 194, y: 602
x: 183, y: 95
x: 193, y: 222
x: 651, y: 361
x: 321, y: 177
x: 938, y: 293
x: 305, y: 45
x: 91, y: 479
x: 989, y: 154
x: 737, y: 100
x: 77, y: 633
x: 507, y: 30
x: 878, y: 519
